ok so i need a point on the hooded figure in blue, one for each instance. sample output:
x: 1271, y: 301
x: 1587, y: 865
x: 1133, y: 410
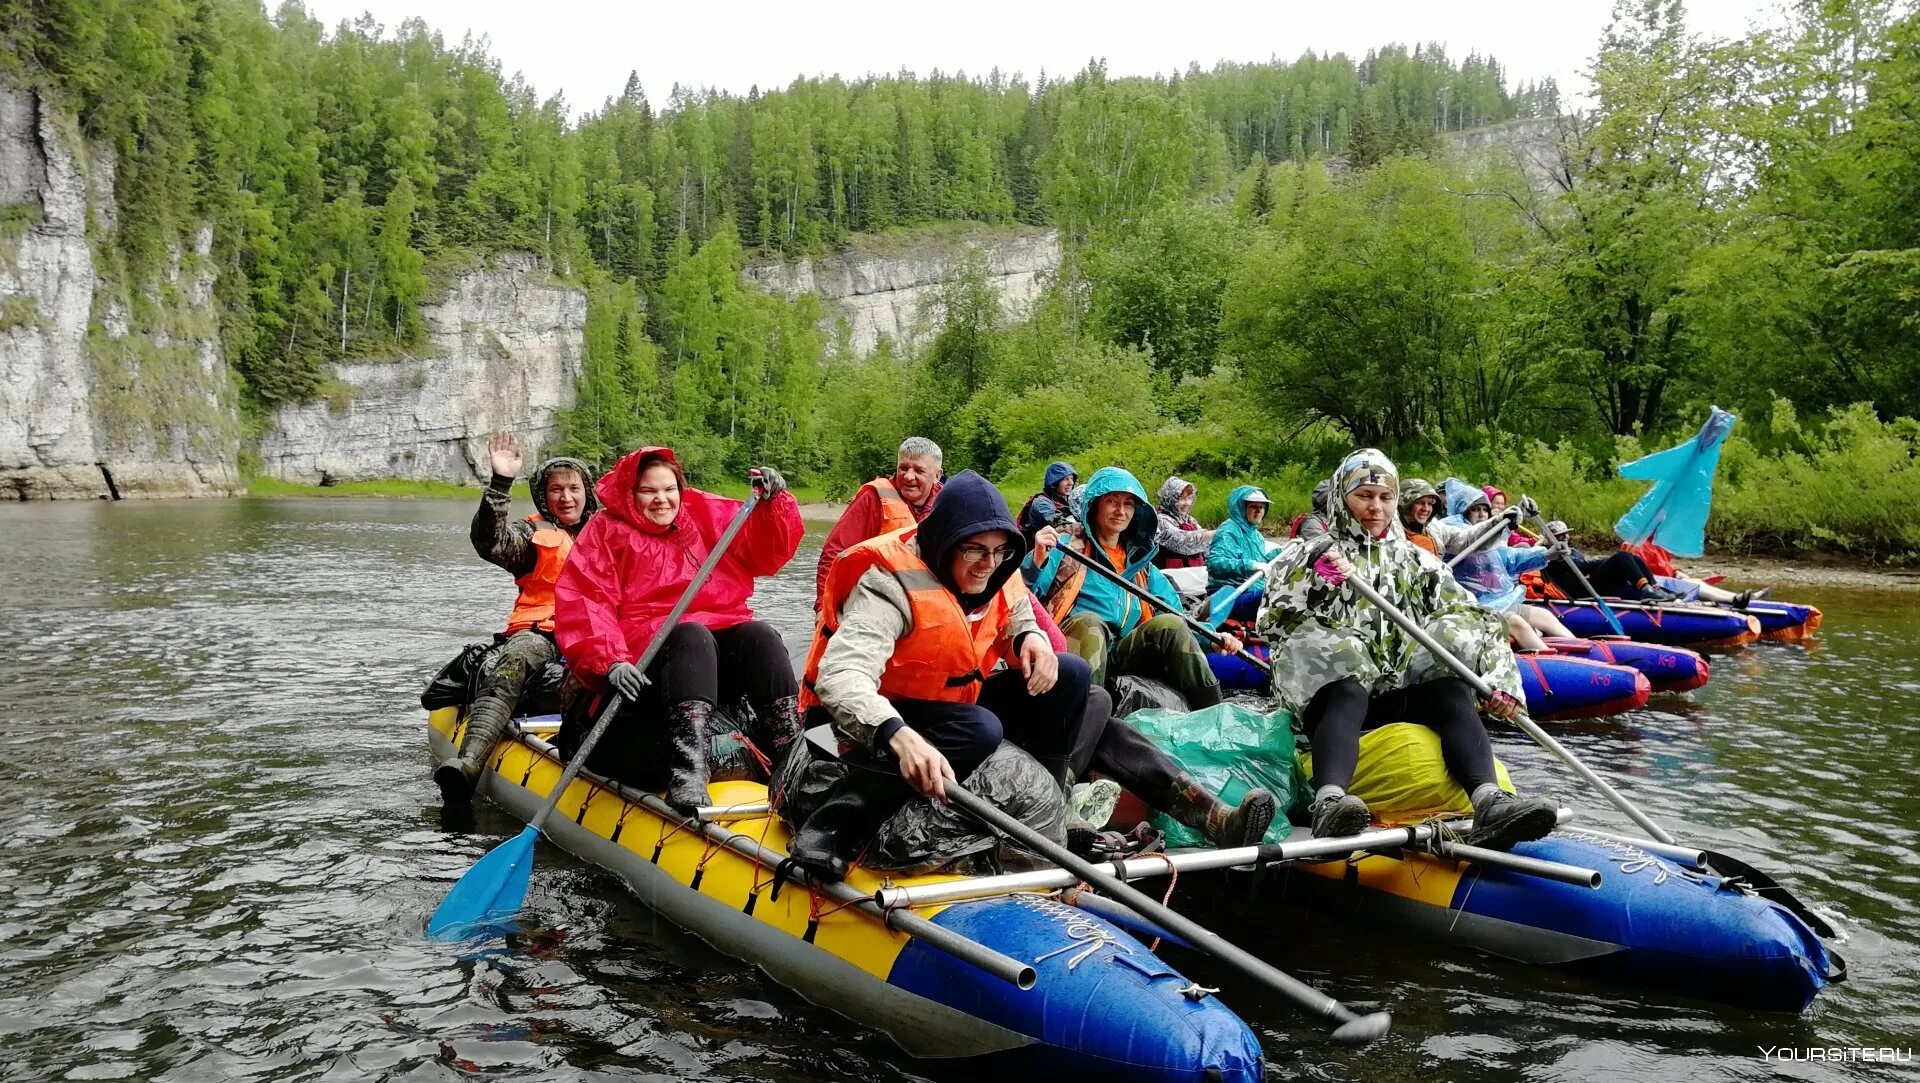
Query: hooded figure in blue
x: 1049, y: 506
x: 1109, y: 627
x: 1492, y: 573
x: 1238, y: 548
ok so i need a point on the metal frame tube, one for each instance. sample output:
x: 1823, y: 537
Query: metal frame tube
x: 745, y: 810
x: 1685, y: 855
x: 1520, y: 863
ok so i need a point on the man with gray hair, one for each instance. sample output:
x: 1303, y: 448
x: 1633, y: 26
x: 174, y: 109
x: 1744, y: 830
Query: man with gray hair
x: 884, y: 505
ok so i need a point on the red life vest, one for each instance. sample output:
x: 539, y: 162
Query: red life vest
x: 944, y: 656
x: 534, y: 607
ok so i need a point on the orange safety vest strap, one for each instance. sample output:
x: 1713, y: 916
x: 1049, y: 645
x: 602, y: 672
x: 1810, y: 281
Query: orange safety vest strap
x: 894, y: 512
x: 1066, y: 589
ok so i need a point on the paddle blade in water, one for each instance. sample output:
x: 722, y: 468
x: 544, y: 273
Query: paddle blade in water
x: 495, y: 887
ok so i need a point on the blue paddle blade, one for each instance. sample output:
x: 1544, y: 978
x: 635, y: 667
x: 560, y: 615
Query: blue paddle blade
x: 494, y: 888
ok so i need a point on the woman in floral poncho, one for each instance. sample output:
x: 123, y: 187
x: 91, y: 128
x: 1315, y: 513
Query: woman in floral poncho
x: 1342, y: 666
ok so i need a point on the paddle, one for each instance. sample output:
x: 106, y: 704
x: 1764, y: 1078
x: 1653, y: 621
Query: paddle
x: 496, y: 885
x: 1352, y: 1028
x: 1566, y: 561
x: 1148, y: 599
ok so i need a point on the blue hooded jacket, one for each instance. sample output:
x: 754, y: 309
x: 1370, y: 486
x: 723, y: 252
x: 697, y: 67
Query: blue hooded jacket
x: 1120, y: 611
x: 1237, y: 545
x: 1492, y: 573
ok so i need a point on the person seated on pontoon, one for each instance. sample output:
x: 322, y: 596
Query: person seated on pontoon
x: 1342, y: 666
x: 1491, y: 572
x: 926, y: 651
x: 533, y: 550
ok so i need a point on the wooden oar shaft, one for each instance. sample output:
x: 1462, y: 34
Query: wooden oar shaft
x: 1480, y: 685
x: 1352, y: 1027
x: 1148, y: 599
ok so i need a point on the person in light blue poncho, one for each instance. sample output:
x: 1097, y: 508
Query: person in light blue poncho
x: 1492, y: 573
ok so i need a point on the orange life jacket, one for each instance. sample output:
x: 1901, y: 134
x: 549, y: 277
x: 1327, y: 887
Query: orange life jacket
x: 894, y: 512
x: 944, y: 656
x: 534, y: 607
x: 1072, y: 576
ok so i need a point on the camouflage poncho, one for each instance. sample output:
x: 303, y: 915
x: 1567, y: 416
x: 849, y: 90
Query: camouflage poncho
x: 1321, y: 634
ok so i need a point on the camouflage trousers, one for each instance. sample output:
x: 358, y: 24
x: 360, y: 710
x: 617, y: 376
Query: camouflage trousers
x: 518, y: 667
x: 1161, y: 648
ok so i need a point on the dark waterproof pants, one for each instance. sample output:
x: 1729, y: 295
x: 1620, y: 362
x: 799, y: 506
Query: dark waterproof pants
x: 1620, y: 575
x: 1341, y: 711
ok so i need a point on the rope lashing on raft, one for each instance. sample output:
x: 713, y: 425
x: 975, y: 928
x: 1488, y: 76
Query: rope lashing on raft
x: 1632, y: 859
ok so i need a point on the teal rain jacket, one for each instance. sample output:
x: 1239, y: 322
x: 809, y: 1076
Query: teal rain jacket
x: 1237, y: 545
x: 1121, y: 612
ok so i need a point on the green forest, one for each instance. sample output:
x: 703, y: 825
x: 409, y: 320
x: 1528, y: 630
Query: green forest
x: 1264, y: 263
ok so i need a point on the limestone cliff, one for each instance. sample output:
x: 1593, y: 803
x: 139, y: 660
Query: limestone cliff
x: 888, y: 288
x: 503, y: 352
x: 102, y: 392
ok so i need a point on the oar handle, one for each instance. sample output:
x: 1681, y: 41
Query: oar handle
x: 605, y: 721
x: 1520, y: 719
x: 1148, y: 599
x: 1352, y: 1027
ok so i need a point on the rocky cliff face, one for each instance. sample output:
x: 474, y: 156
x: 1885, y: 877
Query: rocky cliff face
x: 504, y: 349
x: 94, y: 401
x: 881, y: 292
x: 1539, y: 146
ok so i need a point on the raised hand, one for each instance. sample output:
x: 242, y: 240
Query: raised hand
x: 503, y: 454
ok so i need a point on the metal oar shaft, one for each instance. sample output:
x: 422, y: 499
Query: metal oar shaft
x: 1140, y: 868
x: 1566, y: 561
x: 605, y: 721
x: 1352, y: 1026
x: 1148, y: 599
x: 1480, y: 685
x: 1494, y: 527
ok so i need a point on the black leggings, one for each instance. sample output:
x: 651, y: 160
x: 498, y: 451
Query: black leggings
x: 1341, y: 711
x: 1622, y: 575
x: 749, y: 659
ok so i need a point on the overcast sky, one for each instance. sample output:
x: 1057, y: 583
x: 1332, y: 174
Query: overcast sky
x: 586, y: 49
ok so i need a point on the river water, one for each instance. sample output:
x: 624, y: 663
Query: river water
x: 220, y: 842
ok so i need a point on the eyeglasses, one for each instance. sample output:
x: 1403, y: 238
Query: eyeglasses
x: 974, y: 554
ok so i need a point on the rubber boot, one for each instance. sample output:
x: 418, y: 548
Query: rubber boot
x: 486, y: 720
x: 779, y: 731
x: 688, y: 724
x: 1502, y: 819
x: 845, y: 822
x: 1197, y: 807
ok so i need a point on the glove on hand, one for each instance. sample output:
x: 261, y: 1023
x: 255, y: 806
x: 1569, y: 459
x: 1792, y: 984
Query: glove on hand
x: 768, y: 480
x: 626, y: 679
x: 1329, y: 571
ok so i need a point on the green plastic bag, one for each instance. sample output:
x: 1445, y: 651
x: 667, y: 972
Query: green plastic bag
x: 1230, y: 749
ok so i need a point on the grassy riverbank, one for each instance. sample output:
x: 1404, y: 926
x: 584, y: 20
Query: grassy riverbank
x: 395, y: 488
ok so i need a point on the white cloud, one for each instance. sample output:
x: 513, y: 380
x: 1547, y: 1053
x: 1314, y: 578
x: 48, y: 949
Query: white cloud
x: 586, y: 49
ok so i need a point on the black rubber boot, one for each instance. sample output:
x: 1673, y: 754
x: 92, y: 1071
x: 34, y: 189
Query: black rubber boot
x: 1197, y: 807
x: 486, y: 720
x: 688, y: 724
x: 1338, y: 817
x: 779, y: 732
x: 845, y: 822
x: 1502, y: 819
